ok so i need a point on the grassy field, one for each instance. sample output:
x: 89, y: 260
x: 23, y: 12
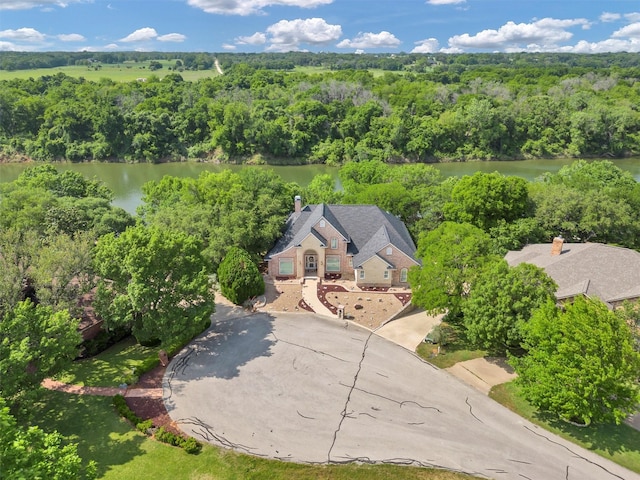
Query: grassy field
x: 124, y: 72
x: 123, y: 453
x: 619, y: 443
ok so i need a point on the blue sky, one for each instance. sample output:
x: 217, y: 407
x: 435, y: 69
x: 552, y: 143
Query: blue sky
x: 349, y: 26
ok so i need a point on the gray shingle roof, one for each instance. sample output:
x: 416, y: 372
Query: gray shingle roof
x: 594, y: 269
x: 367, y: 228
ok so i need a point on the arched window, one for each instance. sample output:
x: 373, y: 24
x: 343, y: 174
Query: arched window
x: 403, y: 275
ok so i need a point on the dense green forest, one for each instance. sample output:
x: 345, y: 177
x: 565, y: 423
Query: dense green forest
x: 421, y: 109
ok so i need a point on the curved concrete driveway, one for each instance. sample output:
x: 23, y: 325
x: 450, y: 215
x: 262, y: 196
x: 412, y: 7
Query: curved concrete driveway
x: 304, y: 388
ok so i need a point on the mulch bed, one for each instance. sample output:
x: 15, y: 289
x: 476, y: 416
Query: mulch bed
x: 374, y: 289
x: 322, y: 295
x: 305, y: 306
x: 403, y: 297
x: 152, y: 408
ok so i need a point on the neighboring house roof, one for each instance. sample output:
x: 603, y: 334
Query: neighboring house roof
x: 367, y: 229
x: 609, y: 273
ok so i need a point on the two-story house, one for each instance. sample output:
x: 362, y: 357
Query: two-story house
x: 353, y: 242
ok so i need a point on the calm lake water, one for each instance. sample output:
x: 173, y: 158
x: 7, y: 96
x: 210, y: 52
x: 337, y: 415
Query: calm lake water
x: 126, y: 180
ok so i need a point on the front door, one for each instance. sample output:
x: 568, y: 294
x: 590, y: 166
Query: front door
x: 310, y: 263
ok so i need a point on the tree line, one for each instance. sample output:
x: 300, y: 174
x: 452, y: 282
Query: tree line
x: 450, y: 112
x: 413, y: 62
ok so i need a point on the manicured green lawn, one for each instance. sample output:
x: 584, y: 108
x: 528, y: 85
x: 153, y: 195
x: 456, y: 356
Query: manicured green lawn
x: 619, y: 443
x: 122, y: 453
x: 109, y: 368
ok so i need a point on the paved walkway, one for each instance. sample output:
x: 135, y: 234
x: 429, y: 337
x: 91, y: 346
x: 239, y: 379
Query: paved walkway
x: 409, y: 331
x: 483, y: 373
x: 310, y: 296
x: 132, y: 392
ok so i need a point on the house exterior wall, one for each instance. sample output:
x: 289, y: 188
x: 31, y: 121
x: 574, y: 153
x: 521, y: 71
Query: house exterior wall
x: 398, y: 259
x: 329, y: 232
x: 274, y: 263
x: 374, y: 269
x: 91, y: 331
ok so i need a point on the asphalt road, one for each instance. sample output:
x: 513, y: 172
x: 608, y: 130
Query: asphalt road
x: 306, y: 389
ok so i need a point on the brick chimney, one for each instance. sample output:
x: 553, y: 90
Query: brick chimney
x: 556, y: 246
x: 297, y: 201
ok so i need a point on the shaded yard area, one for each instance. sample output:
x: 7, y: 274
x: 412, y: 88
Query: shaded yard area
x: 113, y: 367
x: 453, y: 348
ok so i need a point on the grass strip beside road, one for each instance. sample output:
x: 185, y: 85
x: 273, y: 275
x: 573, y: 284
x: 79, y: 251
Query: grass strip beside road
x: 618, y: 443
x: 122, y: 453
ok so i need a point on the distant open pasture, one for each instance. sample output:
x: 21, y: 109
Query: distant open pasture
x: 121, y: 72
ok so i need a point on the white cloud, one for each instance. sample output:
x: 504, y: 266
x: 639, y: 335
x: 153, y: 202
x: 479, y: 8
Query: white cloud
x: 257, y: 38
x: 250, y: 7
x: 30, y: 35
x: 71, y: 37
x: 445, y: 2
x: 28, y: 4
x: 289, y: 35
x: 547, y: 32
x: 228, y: 46
x: 610, y: 17
x: 430, y: 45
x: 632, y: 31
x: 141, y: 35
x: 172, y: 37
x: 632, y: 17
x: 110, y: 46
x: 7, y: 47
x: 371, y: 40
x: 605, y: 46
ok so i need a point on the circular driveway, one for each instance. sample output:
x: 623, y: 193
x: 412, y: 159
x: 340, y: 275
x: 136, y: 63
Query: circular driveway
x: 305, y: 388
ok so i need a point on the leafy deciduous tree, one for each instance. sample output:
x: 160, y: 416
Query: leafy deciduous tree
x: 502, y: 300
x: 484, y: 199
x: 581, y: 363
x: 154, y: 281
x: 30, y: 453
x: 35, y: 342
x: 453, y: 256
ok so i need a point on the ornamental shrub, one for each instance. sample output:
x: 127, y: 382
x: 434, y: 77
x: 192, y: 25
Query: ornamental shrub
x: 239, y: 276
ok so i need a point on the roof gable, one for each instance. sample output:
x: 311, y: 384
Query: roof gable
x: 367, y: 229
